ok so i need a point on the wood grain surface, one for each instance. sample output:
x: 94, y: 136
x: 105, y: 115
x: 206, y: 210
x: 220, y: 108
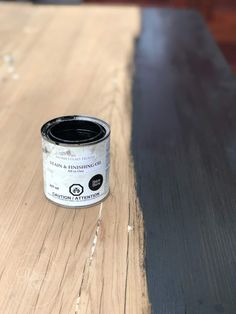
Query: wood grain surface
x: 57, y: 61
x: 184, y: 146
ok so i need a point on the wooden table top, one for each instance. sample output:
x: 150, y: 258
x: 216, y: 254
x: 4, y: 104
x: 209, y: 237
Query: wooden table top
x: 57, y: 61
x: 173, y: 116
x: 184, y: 147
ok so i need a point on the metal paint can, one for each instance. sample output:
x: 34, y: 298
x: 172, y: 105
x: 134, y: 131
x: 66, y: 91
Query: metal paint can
x: 76, y: 160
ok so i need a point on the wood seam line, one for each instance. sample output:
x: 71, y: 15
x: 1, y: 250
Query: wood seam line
x: 127, y: 259
x: 89, y: 260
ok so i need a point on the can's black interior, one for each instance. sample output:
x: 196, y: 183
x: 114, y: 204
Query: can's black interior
x: 75, y: 131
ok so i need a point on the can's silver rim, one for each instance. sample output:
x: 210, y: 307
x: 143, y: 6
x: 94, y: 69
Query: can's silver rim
x: 54, y: 121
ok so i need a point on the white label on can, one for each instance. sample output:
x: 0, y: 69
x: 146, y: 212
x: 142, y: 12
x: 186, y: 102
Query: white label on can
x: 76, y: 176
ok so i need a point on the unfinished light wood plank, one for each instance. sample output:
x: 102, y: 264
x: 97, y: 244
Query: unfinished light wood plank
x: 69, y: 60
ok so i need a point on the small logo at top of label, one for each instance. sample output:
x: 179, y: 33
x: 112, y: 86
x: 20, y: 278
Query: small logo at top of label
x: 76, y: 189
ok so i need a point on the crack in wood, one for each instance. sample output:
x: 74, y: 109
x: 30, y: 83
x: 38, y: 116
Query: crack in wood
x: 42, y: 282
x: 127, y: 263
x: 89, y: 260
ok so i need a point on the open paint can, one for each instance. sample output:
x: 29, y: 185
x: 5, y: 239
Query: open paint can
x: 76, y: 160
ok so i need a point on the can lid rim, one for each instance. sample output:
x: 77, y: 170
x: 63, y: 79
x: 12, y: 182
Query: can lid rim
x: 46, y: 126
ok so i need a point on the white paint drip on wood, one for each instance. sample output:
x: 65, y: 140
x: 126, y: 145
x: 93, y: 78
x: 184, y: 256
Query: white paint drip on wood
x: 9, y: 67
x: 130, y: 228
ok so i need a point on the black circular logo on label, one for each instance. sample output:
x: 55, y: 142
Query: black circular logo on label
x: 96, y: 182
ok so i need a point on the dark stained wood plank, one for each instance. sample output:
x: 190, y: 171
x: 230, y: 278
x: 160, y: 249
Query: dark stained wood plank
x: 184, y: 148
